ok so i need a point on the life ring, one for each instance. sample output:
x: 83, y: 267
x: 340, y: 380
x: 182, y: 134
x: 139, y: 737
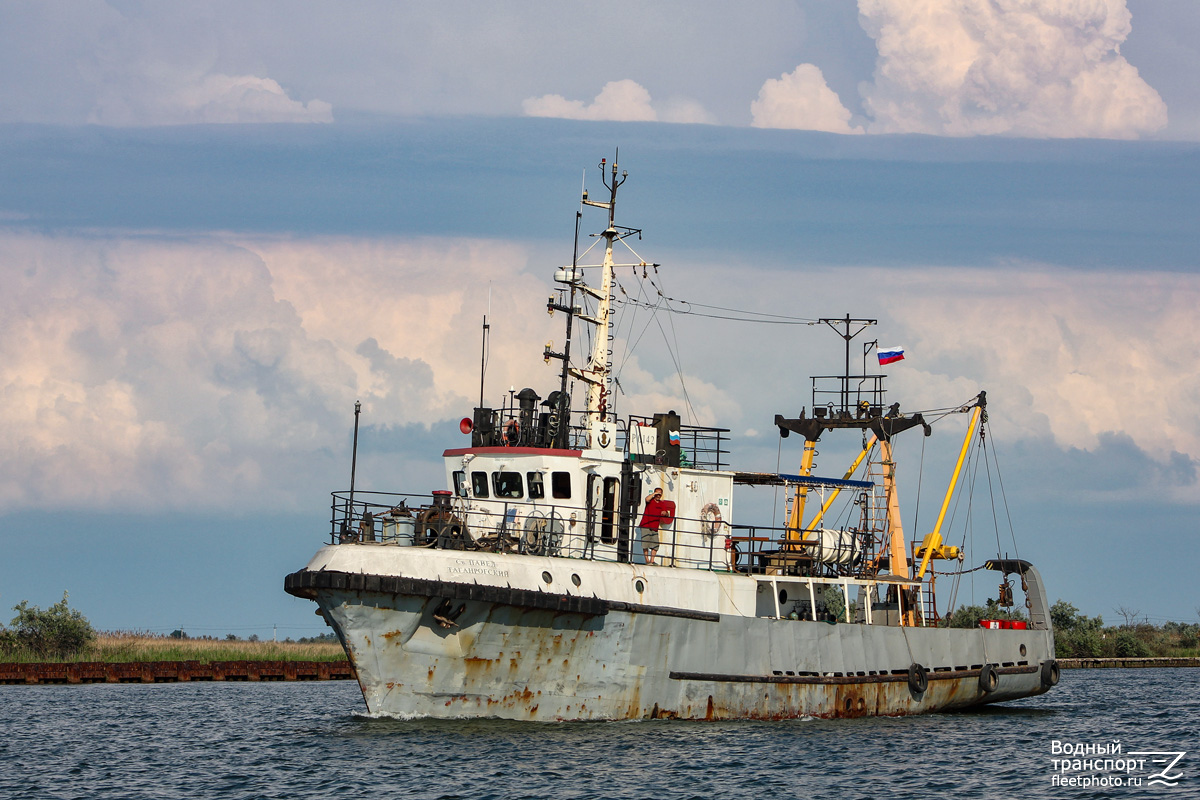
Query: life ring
x: 1050, y: 673
x: 988, y: 679
x: 512, y: 433
x: 710, y: 519
x: 918, y: 680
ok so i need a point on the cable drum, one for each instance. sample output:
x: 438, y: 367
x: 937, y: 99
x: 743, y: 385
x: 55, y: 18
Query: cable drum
x: 439, y: 527
x: 534, y: 536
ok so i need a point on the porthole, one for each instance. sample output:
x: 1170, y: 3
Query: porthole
x: 639, y: 587
x: 783, y: 595
x: 1022, y: 649
x: 575, y: 579
x: 547, y: 577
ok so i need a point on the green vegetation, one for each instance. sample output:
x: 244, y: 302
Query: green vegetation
x: 58, y: 633
x: 1080, y: 636
x: 835, y: 603
x: 62, y: 634
x: 122, y: 647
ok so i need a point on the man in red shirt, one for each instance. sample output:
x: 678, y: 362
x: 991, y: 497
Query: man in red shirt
x: 658, y: 512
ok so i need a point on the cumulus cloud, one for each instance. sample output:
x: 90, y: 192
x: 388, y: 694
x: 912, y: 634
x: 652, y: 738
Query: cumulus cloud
x: 801, y: 100
x: 166, y: 97
x: 1038, y: 68
x: 620, y: 101
x: 1077, y: 359
x: 1072, y: 362
x: 150, y: 373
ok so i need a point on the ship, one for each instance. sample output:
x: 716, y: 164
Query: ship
x: 586, y: 565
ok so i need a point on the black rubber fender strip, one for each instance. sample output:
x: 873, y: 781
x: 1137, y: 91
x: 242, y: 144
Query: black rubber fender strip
x: 305, y: 583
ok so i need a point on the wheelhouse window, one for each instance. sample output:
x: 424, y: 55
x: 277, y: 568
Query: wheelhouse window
x: 507, y: 484
x: 479, y: 484
x: 560, y: 485
x: 460, y: 483
x: 537, y: 489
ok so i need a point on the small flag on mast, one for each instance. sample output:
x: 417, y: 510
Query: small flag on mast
x: 890, y: 355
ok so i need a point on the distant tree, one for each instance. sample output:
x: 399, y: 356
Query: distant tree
x: 1130, y: 615
x: 1079, y: 643
x: 57, y: 632
x: 252, y: 637
x: 231, y: 637
x: 1127, y: 645
x: 1066, y: 617
x: 834, y: 602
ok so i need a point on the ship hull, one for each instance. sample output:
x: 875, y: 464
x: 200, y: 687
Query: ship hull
x: 534, y: 654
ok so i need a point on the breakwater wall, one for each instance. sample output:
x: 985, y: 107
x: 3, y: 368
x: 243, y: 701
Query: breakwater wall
x: 174, y: 671
x: 1126, y: 663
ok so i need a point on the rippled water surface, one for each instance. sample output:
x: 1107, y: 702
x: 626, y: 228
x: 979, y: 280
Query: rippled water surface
x: 311, y: 740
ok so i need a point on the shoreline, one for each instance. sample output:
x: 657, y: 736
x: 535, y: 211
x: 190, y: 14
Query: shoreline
x: 1129, y: 663
x: 80, y: 672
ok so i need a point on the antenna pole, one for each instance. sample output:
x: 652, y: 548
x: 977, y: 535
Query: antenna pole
x: 563, y: 412
x: 483, y: 356
x: 354, y: 453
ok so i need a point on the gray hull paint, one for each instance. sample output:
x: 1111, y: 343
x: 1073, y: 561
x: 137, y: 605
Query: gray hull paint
x: 508, y: 662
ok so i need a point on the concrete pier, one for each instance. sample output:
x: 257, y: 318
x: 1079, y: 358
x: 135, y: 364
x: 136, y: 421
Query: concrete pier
x: 174, y: 671
x: 1126, y: 663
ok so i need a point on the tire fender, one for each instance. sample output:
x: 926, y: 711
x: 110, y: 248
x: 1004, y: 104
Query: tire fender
x: 918, y: 679
x: 988, y: 679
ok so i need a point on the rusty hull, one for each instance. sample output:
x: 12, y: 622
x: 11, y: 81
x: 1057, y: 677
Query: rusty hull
x: 536, y: 664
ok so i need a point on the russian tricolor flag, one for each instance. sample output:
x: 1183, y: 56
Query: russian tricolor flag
x: 889, y: 355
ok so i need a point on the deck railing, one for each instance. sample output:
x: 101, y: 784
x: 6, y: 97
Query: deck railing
x: 563, y: 530
x: 566, y: 530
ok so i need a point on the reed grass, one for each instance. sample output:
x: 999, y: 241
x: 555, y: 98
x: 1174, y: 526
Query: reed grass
x: 122, y: 647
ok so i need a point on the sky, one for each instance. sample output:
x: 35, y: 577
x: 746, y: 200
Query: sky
x: 222, y: 225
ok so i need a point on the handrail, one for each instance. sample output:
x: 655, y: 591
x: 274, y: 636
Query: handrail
x: 558, y: 529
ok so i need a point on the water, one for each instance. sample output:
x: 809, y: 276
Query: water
x: 311, y: 740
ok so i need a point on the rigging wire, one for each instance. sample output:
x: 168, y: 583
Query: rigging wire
x: 672, y: 341
x: 749, y: 316
x: 678, y: 365
x: 992, y: 496
x: 1004, y: 499
x: 969, y: 523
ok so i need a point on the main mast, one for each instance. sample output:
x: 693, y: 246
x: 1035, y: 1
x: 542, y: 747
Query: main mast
x: 599, y: 367
x: 596, y: 374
